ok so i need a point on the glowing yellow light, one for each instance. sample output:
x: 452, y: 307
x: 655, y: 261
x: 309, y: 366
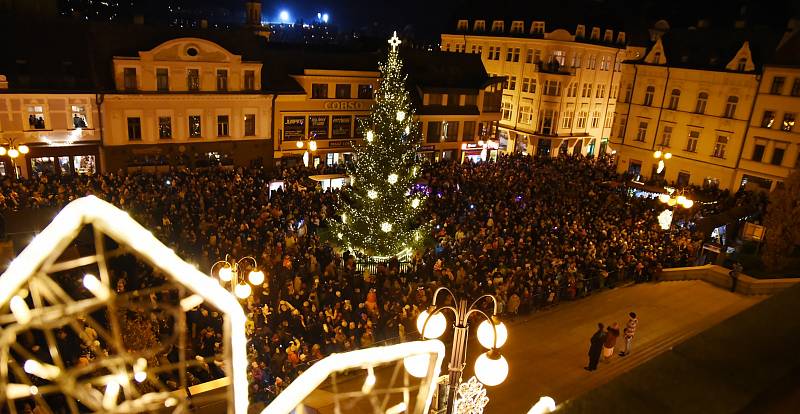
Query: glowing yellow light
x: 344, y: 218
x: 415, y: 203
x: 372, y: 194
x: 190, y: 302
x: 225, y: 273
x: 434, y: 328
x: 3, y: 151
x: 393, y: 178
x: 339, y: 235
x: 23, y: 149
x: 94, y: 285
x: 401, y: 116
x: 667, y: 155
x: 44, y: 371
x: 417, y: 365
x: 13, y: 153
x: 299, y: 144
x: 660, y: 166
x: 242, y: 290
x: 671, y: 202
x: 491, y: 370
x: 657, y: 154
x: 664, y: 198
x: 486, y: 334
x: 681, y: 199
x: 688, y: 203
x: 407, y: 130
x: 256, y: 277
x: 370, y: 136
x: 111, y: 394
x: 386, y: 227
x: 369, y: 382
x: 312, y: 145
x: 545, y: 405
x: 20, y: 310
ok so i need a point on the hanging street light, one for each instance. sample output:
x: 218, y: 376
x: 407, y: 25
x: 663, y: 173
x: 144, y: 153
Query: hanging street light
x: 232, y: 271
x: 491, y: 368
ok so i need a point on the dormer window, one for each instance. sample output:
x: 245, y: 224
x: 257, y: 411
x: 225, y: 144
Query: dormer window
x: 608, y: 36
x: 742, y: 65
x: 462, y: 25
x: 621, y: 37
x: 498, y: 26
x: 580, y: 32
x: 480, y: 26
x: 517, y: 26
x: 595, y: 33
x: 537, y: 28
x: 657, y: 58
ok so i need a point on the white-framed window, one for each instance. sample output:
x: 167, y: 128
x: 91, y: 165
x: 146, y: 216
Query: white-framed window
x: 559, y: 56
x: 609, y: 119
x: 525, y: 114
x: 537, y: 28
x: 529, y: 56
x: 222, y: 80
x: 249, y: 80
x: 547, y: 121
x: 581, y: 121
x: 648, y: 95
x: 529, y: 85
x: 566, y: 119
x: 586, y: 90
x: 250, y: 125
x: 572, y: 90
x: 193, y: 79
x: 601, y: 91
x: 507, y: 108
x: 517, y: 26
x: 692, y: 139
x: 223, y: 126
x: 165, y: 127
x: 552, y: 88
x: 730, y: 106
x: 37, y: 119
x: 512, y: 83
x: 592, y: 62
x: 162, y: 79
x: 674, y: 99
x: 641, y: 133
x: 195, y: 126
x: 79, y: 119
x: 576, y: 60
x: 666, y: 135
x: 702, y: 101
x: 605, y: 62
x: 595, y: 119
x: 719, y: 146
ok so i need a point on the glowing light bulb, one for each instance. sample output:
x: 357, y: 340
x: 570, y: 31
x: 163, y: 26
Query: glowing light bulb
x: 486, y: 334
x: 91, y: 283
x: 20, y: 310
x: 23, y: 149
x: 667, y: 155
x: 393, y: 178
x: 417, y: 365
x: 386, y: 227
x: 672, y: 202
x: 407, y: 130
x: 256, y: 277
x: 225, y: 273
x: 688, y: 203
x: 344, y: 218
x: 415, y: 203
x: 664, y: 198
x: 339, y: 235
x: 13, y: 153
x: 370, y: 136
x: 681, y: 199
x: 312, y: 145
x: 434, y: 328
x: 372, y: 194
x: 242, y: 290
x: 401, y: 116
x: 657, y: 154
x: 299, y: 144
x: 3, y: 151
x: 491, y: 368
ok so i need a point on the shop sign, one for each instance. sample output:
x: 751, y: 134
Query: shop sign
x: 339, y: 144
x: 294, y: 127
x: 347, y: 105
x: 426, y: 148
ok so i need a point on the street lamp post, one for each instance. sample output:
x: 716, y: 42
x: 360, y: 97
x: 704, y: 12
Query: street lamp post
x: 232, y: 271
x: 661, y: 156
x: 491, y: 368
x: 312, y: 146
x: 13, y: 151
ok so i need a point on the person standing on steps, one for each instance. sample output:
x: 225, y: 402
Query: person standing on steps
x: 630, y: 331
x: 612, y: 333
x: 595, y: 348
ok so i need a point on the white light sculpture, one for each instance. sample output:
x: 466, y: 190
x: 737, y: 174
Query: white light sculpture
x: 30, y: 271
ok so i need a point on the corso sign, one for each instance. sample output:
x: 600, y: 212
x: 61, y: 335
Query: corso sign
x: 347, y: 105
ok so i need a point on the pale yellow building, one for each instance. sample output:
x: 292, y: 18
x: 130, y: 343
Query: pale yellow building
x: 691, y: 94
x: 186, y: 101
x: 561, y: 83
x: 772, y: 145
x: 457, y: 108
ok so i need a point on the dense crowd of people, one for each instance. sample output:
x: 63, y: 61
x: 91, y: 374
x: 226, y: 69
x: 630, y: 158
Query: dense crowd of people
x: 531, y: 231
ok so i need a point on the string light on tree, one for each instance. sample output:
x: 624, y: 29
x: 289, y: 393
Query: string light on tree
x: 379, y: 214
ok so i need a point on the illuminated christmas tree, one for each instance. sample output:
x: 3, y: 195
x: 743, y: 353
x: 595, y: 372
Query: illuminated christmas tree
x: 378, y: 212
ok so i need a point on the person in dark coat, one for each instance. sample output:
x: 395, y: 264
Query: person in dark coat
x: 596, y: 347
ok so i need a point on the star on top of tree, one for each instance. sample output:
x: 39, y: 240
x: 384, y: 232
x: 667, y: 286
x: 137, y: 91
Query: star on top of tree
x: 394, y: 41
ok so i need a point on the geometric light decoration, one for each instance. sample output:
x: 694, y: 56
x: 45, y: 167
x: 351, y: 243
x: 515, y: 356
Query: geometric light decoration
x: 387, y: 383
x: 62, y: 287
x: 471, y: 397
x: 665, y: 219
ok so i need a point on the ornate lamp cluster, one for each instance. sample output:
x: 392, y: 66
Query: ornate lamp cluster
x: 232, y: 271
x: 661, y: 156
x: 491, y: 368
x: 675, y: 198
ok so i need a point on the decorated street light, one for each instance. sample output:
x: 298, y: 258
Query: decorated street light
x: 661, y: 156
x: 491, y: 368
x: 232, y: 271
x: 13, y: 151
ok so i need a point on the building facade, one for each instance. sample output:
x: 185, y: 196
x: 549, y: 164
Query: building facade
x: 561, y: 87
x: 711, y: 100
x: 188, y: 101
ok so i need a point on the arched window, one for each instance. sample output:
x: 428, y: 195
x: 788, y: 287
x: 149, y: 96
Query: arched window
x: 702, y: 101
x: 648, y: 95
x: 674, y: 98
x: 730, y: 107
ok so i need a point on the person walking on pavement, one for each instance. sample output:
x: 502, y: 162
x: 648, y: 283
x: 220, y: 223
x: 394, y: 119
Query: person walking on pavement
x: 595, y: 347
x: 630, y: 331
x: 612, y: 333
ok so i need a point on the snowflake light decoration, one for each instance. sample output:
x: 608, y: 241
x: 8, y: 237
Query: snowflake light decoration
x: 471, y: 397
